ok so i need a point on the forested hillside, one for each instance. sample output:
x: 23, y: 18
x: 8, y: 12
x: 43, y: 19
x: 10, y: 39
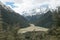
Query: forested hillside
x: 12, y: 18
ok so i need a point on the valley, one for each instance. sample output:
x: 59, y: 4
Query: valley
x: 44, y: 26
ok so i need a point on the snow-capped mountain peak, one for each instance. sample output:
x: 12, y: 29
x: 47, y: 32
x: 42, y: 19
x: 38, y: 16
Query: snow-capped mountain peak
x: 36, y: 11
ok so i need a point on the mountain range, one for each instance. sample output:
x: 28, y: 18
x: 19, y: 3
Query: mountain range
x: 43, y: 19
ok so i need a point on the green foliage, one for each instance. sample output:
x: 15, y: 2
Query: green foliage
x: 54, y: 32
x: 34, y: 35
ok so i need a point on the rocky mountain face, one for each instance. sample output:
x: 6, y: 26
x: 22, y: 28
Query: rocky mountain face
x: 12, y: 18
x: 43, y: 19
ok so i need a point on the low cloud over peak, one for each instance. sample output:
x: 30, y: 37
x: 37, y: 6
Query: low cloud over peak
x: 25, y: 5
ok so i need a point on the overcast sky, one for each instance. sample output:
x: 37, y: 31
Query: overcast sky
x: 22, y: 5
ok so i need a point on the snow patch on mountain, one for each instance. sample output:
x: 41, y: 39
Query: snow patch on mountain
x: 36, y: 11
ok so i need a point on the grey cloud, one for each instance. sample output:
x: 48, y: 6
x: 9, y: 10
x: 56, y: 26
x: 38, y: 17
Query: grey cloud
x: 6, y: 0
x: 40, y: 1
x: 18, y: 1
